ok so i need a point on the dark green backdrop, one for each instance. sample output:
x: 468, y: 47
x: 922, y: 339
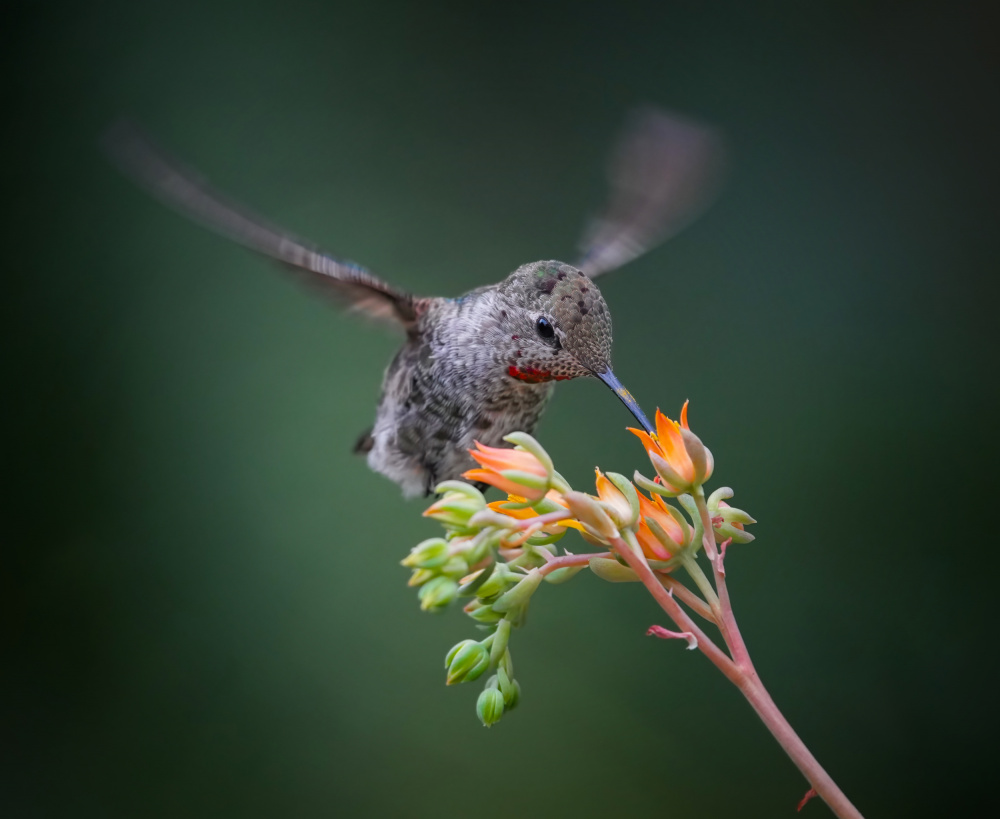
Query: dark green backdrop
x: 207, y: 617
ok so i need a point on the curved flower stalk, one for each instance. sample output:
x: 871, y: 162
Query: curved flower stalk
x: 498, y: 555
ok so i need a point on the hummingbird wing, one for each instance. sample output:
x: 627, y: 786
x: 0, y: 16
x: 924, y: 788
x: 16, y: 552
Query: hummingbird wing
x: 185, y: 191
x: 664, y: 172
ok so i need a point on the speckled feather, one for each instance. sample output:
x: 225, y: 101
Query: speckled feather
x: 476, y: 369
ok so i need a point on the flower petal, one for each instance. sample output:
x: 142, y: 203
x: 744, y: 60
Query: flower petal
x: 648, y: 443
x: 517, y: 514
x: 671, y: 443
x: 651, y: 546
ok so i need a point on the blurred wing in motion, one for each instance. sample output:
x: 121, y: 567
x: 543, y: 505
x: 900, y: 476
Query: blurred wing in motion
x: 182, y: 189
x: 664, y: 173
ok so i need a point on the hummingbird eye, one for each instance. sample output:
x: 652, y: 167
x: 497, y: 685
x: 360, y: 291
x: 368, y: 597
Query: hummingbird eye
x: 545, y: 328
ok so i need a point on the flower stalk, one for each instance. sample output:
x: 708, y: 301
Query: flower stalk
x: 506, y: 552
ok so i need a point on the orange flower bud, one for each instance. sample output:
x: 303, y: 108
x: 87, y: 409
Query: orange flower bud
x: 513, y: 471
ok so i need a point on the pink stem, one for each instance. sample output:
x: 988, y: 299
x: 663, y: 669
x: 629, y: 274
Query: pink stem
x: 666, y: 634
x: 546, y: 519
x: 553, y: 563
x: 673, y: 609
x: 796, y: 749
x: 748, y: 681
x: 730, y: 631
x: 529, y: 526
x: 686, y: 596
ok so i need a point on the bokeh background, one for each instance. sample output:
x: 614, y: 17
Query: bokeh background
x: 206, y: 615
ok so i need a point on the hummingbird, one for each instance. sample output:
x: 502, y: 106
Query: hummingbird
x: 484, y: 364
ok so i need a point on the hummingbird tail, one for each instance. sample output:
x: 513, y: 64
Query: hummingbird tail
x: 365, y: 442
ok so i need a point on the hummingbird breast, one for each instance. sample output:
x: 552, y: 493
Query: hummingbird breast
x: 448, y: 387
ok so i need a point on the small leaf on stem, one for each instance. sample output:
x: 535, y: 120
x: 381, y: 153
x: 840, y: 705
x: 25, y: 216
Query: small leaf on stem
x: 664, y: 634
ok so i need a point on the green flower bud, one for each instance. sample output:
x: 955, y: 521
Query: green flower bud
x: 454, y: 650
x: 521, y: 593
x: 497, y: 583
x: 437, y: 593
x: 456, y: 568
x: 420, y: 576
x: 482, y: 613
x: 481, y: 545
x: 509, y: 689
x: 490, y: 706
x: 466, y: 662
x: 733, y: 520
x: 475, y: 580
x: 455, y: 509
x: 515, y: 696
x: 427, y: 555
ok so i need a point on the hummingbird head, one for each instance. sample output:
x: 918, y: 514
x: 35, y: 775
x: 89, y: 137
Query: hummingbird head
x: 560, y: 328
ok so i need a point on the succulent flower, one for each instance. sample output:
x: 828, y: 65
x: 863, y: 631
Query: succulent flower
x: 490, y: 706
x: 662, y: 530
x: 619, y: 497
x: 597, y: 524
x: 514, y: 471
x: 437, y: 593
x: 733, y: 523
x: 454, y: 509
x: 430, y: 554
x: 680, y: 458
x: 466, y: 661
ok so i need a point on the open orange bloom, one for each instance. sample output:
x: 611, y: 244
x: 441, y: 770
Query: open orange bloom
x: 613, y: 497
x: 680, y: 458
x: 658, y: 511
x: 513, y: 471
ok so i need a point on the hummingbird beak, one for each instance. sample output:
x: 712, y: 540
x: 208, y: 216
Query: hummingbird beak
x: 627, y: 399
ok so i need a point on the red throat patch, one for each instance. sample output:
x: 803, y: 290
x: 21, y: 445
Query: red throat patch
x: 533, y: 376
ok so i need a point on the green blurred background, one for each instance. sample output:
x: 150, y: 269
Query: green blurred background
x: 207, y: 616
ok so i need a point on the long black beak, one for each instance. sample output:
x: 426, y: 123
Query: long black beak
x: 627, y: 399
